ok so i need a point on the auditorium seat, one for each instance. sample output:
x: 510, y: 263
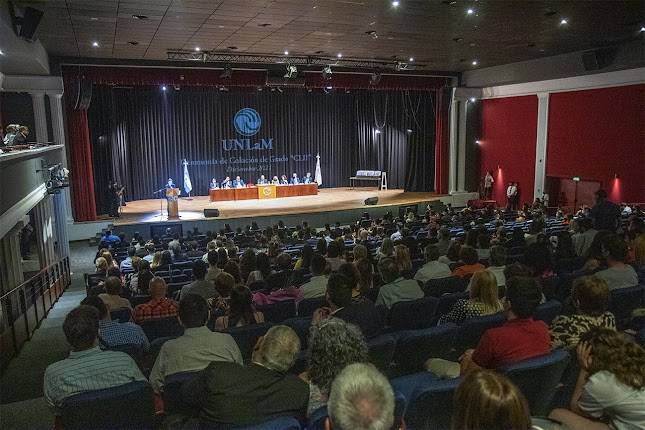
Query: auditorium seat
x: 414, y: 347
x: 301, y: 326
x: 161, y: 327
x: 538, y: 379
x: 548, y: 311
x: 128, y: 406
x: 246, y: 337
x: 446, y: 302
x: 413, y: 314
x: 449, y: 285
x: 623, y: 301
x: 307, y: 307
x: 278, y: 423
x: 121, y: 315
x: 471, y: 331
x: 279, y: 311
x: 138, y: 300
x: 172, y: 399
x: 381, y: 350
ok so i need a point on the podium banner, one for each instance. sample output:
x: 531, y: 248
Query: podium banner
x: 267, y: 191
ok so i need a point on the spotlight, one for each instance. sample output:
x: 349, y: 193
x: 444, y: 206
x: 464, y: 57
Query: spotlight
x: 292, y: 72
x: 642, y: 29
x: 197, y: 49
x: 408, y: 131
x: 1, y: 52
x: 564, y: 21
x: 472, y: 99
x: 227, y: 73
x: 478, y: 142
x: 475, y: 62
x: 375, y: 78
x: 329, y: 87
x: 164, y: 88
x: 395, y: 3
x: 95, y: 44
x: 326, y: 73
x: 470, y: 11
x: 339, y: 55
x: 286, y: 52
x: 411, y: 60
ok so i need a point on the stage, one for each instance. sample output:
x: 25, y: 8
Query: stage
x: 328, y: 200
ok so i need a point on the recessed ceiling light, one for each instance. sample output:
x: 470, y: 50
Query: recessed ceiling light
x: 470, y: 11
x: 197, y: 49
x: 475, y: 62
x: 564, y: 21
x: 94, y: 18
x: 478, y: 142
x: 395, y: 3
x: 135, y: 16
x: 164, y: 88
x: 95, y: 44
x: 411, y: 60
x: 1, y: 52
x: 339, y: 55
x: 377, y: 131
x: 286, y: 52
x: 133, y: 43
x: 472, y: 99
x: 642, y: 29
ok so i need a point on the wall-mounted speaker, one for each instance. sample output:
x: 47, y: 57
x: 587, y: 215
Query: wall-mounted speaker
x: 28, y: 22
x: 211, y: 213
x: 83, y: 94
x: 371, y: 201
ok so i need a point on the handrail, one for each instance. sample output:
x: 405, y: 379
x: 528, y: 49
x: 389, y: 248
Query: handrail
x: 30, y: 280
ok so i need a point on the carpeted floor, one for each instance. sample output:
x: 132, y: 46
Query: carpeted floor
x: 21, y: 386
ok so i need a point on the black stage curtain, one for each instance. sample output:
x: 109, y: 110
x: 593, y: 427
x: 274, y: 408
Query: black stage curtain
x: 141, y: 135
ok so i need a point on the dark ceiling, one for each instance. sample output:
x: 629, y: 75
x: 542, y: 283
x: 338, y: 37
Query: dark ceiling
x: 440, y: 35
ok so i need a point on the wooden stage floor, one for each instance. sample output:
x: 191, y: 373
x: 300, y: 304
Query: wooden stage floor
x: 328, y: 199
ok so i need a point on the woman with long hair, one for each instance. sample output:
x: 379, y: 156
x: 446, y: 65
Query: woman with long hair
x: 610, y: 392
x: 483, y: 300
x: 489, y: 400
x: 156, y: 260
x: 386, y: 249
x: 241, y: 311
x: 247, y: 263
x: 403, y: 260
x: 365, y: 275
x: 304, y: 262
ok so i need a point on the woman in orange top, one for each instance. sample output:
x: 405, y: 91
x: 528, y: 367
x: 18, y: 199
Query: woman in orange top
x: 468, y: 255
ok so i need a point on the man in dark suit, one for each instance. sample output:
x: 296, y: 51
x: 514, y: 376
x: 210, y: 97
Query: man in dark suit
x: 307, y: 179
x: 238, y: 182
x: 228, y: 394
x: 262, y: 180
x: 227, y: 183
x: 295, y: 180
x: 339, y: 298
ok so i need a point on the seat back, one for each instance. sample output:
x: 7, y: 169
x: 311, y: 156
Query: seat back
x: 472, y: 330
x: 128, y: 406
x: 161, y: 327
x: 301, y: 327
x: 439, y: 287
x: 277, y: 423
x: 548, y: 311
x: 246, y: 337
x: 413, y: 314
x: 381, y: 350
x: 307, y: 307
x: 447, y: 301
x: 538, y: 379
x: 120, y: 315
x: 430, y: 406
x: 172, y: 399
x: 414, y: 347
x: 623, y: 301
x: 278, y: 311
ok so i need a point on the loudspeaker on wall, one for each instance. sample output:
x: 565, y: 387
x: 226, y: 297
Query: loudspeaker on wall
x: 211, y: 213
x: 370, y: 201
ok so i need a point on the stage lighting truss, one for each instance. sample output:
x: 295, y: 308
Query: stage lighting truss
x: 234, y: 58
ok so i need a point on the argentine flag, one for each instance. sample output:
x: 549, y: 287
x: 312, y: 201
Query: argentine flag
x: 318, y: 174
x: 188, y: 186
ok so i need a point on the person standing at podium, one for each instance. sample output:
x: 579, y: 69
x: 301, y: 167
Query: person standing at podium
x: 307, y: 179
x: 170, y: 184
x: 238, y: 183
x: 295, y: 180
x: 227, y: 183
x: 262, y: 180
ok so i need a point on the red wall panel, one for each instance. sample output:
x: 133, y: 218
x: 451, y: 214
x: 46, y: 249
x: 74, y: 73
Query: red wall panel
x: 596, y: 134
x: 508, y: 139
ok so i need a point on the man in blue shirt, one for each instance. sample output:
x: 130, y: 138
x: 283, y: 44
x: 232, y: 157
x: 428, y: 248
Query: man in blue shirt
x: 238, y: 182
x: 126, y: 264
x: 262, y: 180
x: 227, y: 183
x: 109, y: 240
x: 295, y: 180
x: 113, y: 333
x: 307, y: 179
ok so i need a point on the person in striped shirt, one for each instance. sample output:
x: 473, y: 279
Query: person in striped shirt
x: 87, y: 368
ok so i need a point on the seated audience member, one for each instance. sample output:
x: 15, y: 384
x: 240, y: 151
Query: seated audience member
x: 483, y: 300
x: 113, y: 333
x: 403, y: 260
x: 432, y: 269
x: 228, y: 394
x: 241, y: 311
x: 304, y: 261
x: 111, y: 296
x: 590, y: 296
x: 517, y: 239
x: 87, y: 368
x: 350, y: 271
x: 213, y: 270
x: 333, y: 344
x: 443, y: 241
x: 109, y: 260
x: 200, y: 285
x: 360, y: 398
x: 365, y: 275
x: 497, y: 262
x: 126, y: 264
x: 618, y: 274
x: 537, y: 256
x: 210, y: 246
x: 452, y: 254
x: 396, y: 288
x: 386, y: 249
x: 174, y: 245
x: 109, y: 240
x: 101, y: 265
x: 224, y: 284
x: 489, y: 400
x: 159, y: 306
x: 360, y: 252
x: 156, y: 261
x: 583, y: 237
x: 144, y: 277
x: 519, y: 338
x: 196, y: 348
x: 610, y: 392
x: 150, y: 249
x: 317, y: 285
x: 247, y: 263
x: 483, y: 246
x: 469, y: 257
x: 334, y: 258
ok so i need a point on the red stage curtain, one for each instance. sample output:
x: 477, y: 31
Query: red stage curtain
x: 442, y: 139
x: 82, y: 172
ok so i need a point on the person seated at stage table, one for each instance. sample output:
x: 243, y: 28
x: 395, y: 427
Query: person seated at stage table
x: 238, y: 183
x: 227, y: 183
x: 214, y: 185
x: 295, y: 180
x: 262, y: 180
x: 307, y: 179
x: 275, y: 181
x: 284, y: 180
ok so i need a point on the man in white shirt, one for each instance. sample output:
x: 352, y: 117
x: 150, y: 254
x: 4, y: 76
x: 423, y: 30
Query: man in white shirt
x: 398, y: 234
x: 317, y: 285
x: 196, y: 348
x: 150, y: 248
x: 432, y: 269
x: 511, y: 195
x: 488, y: 185
x: 397, y: 288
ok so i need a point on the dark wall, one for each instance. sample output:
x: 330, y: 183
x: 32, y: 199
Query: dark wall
x: 17, y: 109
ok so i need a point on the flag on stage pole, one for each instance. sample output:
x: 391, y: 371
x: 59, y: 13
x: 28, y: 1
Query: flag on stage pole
x: 188, y: 186
x: 318, y: 175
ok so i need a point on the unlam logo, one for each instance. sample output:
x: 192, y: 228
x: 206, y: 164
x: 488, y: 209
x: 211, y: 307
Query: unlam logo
x: 247, y: 123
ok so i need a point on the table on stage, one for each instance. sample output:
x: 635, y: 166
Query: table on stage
x: 262, y: 192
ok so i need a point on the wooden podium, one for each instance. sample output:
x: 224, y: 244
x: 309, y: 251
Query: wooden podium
x: 172, y: 197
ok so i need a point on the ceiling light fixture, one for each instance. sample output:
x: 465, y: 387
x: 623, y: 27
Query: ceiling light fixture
x: 642, y: 29
x: 339, y: 55
x: 1, y: 52
x: 286, y: 52
x: 95, y: 44
x: 409, y: 131
x: 396, y: 3
x: 564, y: 21
x: 470, y: 11
x: 377, y: 131
x: 475, y: 62
x: 164, y: 88
x: 197, y: 49
x: 411, y: 60
x: 472, y: 99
